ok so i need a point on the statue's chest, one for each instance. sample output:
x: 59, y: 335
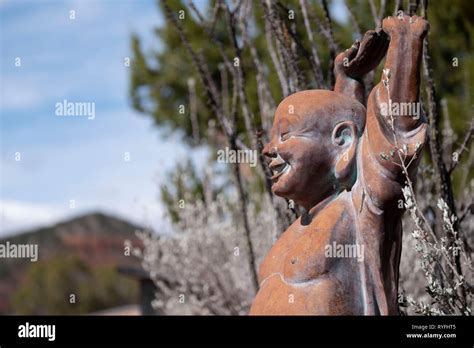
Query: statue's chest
x: 304, y: 259
x: 300, y: 254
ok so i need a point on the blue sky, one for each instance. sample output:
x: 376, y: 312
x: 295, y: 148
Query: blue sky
x: 73, y: 158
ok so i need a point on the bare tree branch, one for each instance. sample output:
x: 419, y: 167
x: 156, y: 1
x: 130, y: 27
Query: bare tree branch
x: 377, y: 16
x: 193, y: 110
x: 333, y: 48
x: 464, y: 146
x: 274, y: 56
x: 314, y: 50
x: 355, y: 24
x: 444, y: 184
x: 288, y: 60
x: 398, y: 7
x: 413, y: 7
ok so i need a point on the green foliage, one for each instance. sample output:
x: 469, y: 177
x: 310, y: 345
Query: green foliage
x: 451, y: 37
x: 48, y: 285
x: 184, y: 182
x: 159, y: 82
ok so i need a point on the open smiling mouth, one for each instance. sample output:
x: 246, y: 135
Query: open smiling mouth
x: 279, y: 167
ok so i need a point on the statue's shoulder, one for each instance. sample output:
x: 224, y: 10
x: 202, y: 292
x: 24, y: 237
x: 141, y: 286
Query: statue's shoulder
x: 340, y: 207
x: 335, y: 221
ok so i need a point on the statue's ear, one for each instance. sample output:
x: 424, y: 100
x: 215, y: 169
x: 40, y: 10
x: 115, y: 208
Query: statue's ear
x: 344, y: 137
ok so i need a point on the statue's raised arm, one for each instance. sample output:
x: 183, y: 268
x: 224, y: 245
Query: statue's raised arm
x: 351, y: 65
x: 395, y: 125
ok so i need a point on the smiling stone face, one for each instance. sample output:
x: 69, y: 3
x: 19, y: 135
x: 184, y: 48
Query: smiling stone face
x: 311, y: 132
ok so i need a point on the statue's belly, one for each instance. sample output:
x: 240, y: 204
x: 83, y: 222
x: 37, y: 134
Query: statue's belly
x: 321, y: 296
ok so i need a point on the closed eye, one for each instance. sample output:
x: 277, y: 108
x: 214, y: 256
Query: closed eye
x: 296, y: 134
x: 284, y: 136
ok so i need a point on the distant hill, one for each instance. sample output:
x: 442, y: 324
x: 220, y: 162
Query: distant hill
x: 97, y: 239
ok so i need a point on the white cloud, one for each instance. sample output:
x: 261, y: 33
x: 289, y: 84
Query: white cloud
x: 25, y: 92
x: 17, y: 215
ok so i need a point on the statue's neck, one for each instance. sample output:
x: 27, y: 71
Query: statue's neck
x: 309, y: 215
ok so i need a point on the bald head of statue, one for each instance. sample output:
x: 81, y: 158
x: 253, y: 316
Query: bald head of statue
x: 313, y: 145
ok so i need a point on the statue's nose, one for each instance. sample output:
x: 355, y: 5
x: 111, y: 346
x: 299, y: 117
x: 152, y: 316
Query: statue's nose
x: 269, y: 150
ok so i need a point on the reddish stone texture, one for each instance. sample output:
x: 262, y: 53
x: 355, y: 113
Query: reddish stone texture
x: 337, y: 159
